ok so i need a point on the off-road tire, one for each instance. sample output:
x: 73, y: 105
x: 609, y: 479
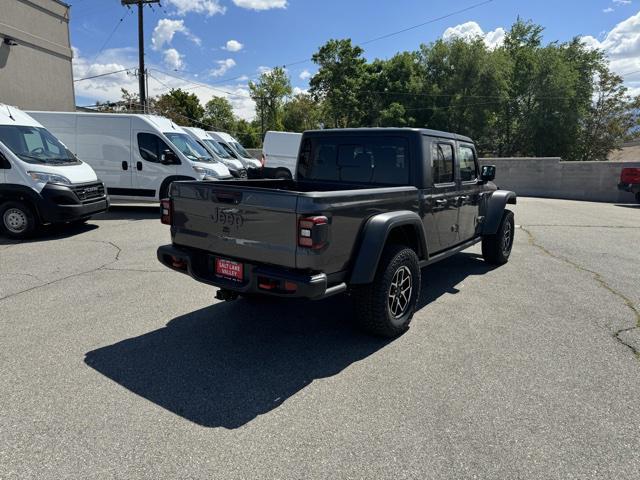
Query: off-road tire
x: 496, y: 249
x: 372, y: 301
x: 16, y: 211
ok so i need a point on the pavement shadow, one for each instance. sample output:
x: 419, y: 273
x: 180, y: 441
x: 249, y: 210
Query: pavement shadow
x: 224, y: 365
x: 628, y: 205
x: 52, y: 232
x: 130, y: 212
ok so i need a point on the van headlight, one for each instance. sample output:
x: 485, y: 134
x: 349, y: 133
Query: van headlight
x: 205, y: 171
x: 44, y: 177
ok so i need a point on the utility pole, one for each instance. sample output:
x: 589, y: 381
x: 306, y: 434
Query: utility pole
x: 142, y: 73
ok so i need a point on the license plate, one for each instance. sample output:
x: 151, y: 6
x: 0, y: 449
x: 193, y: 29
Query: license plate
x: 229, y: 269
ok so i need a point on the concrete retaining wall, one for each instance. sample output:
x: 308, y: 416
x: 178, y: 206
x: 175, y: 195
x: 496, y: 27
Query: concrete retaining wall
x: 553, y: 178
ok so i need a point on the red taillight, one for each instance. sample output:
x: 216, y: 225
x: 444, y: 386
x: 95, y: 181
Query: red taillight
x: 166, y: 211
x: 313, y: 232
x: 630, y: 175
x: 263, y: 160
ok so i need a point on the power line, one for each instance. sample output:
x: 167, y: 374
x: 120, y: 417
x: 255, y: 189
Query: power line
x: 197, y: 84
x: 111, y: 35
x: 103, y: 74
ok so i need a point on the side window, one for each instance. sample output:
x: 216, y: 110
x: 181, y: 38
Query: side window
x: 468, y: 164
x: 442, y: 162
x: 151, y: 147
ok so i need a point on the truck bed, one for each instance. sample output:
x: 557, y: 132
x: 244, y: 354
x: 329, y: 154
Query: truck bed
x: 257, y: 220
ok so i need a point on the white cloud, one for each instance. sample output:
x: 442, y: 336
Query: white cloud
x: 107, y: 88
x: 305, y: 75
x: 208, y: 7
x: 165, y: 31
x: 223, y: 67
x: 622, y: 47
x: 298, y: 91
x: 471, y: 31
x: 260, y: 4
x: 233, y: 46
x: 607, y: 10
x: 173, y: 59
x: 262, y: 69
x: 622, y: 2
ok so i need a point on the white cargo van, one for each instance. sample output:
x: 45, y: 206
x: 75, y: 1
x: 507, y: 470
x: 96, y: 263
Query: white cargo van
x: 280, y: 154
x: 233, y: 147
x: 136, y: 156
x: 234, y: 165
x: 41, y: 181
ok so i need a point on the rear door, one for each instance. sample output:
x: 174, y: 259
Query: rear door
x: 470, y: 189
x: 255, y: 224
x: 440, y: 200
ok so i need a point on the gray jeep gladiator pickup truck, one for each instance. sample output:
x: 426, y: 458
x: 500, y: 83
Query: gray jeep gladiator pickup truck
x: 368, y: 209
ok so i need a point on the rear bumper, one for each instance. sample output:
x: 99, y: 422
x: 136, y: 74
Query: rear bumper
x: 629, y: 187
x: 60, y: 203
x: 199, y: 266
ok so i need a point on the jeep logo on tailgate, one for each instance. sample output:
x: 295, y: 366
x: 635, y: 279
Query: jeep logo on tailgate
x: 228, y: 217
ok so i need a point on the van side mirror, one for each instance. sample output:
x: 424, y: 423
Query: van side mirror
x: 487, y: 173
x: 4, y: 163
x: 168, y: 157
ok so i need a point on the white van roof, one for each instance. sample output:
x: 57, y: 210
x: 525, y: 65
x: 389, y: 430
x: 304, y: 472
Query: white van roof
x: 10, y: 115
x: 155, y: 121
x: 198, y: 132
x: 225, y: 136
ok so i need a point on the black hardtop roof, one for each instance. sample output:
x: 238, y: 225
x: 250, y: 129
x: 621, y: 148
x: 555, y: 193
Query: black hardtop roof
x: 392, y: 130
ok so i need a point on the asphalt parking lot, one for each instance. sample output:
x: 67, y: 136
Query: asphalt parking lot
x: 112, y: 366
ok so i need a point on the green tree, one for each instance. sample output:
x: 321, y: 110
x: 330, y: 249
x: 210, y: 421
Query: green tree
x: 338, y: 82
x: 270, y: 93
x: 613, y: 118
x: 218, y: 113
x: 181, y: 107
x: 301, y: 113
x: 248, y: 134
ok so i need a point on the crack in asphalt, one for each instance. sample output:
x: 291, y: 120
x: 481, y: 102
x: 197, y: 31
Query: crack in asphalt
x: 104, y: 267
x: 600, y: 280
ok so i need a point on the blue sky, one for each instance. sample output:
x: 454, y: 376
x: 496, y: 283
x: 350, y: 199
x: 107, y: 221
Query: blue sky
x: 213, y: 42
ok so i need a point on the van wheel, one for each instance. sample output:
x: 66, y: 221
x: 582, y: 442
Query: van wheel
x: 17, y: 219
x: 386, y: 306
x: 496, y: 249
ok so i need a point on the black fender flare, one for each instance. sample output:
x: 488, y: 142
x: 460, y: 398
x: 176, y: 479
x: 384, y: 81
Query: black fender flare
x: 166, y: 183
x: 374, y: 238
x: 23, y: 193
x: 495, y: 206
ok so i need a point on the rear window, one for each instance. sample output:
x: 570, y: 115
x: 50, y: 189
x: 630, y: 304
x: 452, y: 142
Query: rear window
x: 373, y: 160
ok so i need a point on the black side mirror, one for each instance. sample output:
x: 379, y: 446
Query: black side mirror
x: 4, y: 163
x: 168, y: 157
x: 487, y: 173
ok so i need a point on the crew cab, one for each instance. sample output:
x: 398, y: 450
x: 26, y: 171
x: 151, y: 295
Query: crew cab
x: 368, y: 208
x: 630, y: 181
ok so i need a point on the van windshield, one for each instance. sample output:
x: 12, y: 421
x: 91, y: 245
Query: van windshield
x: 36, y: 145
x: 189, y: 147
x: 240, y: 149
x: 215, y: 146
x: 229, y: 150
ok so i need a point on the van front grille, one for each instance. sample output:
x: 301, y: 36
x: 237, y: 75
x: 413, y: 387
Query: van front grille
x: 89, y: 192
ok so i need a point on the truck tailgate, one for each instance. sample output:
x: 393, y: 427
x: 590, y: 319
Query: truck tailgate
x: 256, y: 224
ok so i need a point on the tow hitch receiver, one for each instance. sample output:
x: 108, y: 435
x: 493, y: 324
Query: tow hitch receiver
x: 226, y: 295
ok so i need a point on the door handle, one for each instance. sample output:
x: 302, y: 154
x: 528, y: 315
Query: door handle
x: 139, y: 165
x: 463, y: 199
x: 125, y: 165
x: 442, y: 203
